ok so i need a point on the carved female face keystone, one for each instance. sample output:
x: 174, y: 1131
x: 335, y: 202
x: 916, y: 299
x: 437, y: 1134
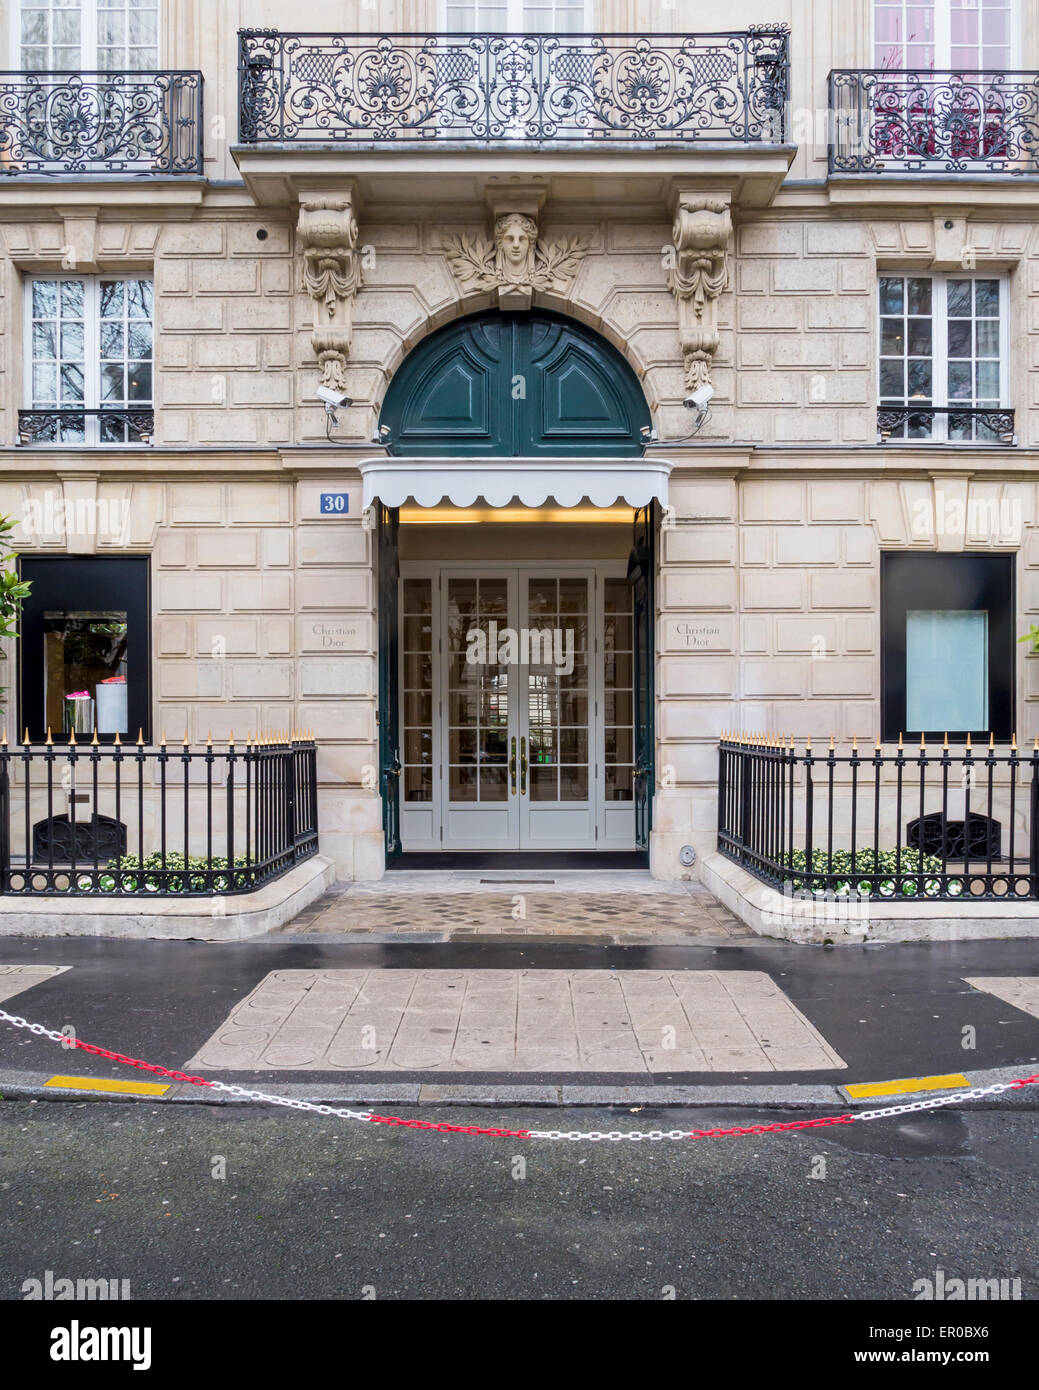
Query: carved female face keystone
x: 515, y: 236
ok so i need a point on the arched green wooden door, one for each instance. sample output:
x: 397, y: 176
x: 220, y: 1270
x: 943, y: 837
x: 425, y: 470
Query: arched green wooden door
x: 519, y: 385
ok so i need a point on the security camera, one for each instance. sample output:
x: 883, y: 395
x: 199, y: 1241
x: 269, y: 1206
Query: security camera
x: 648, y: 434
x: 333, y: 399
x: 699, y: 400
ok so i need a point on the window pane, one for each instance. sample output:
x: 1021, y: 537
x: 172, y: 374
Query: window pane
x: 959, y: 338
x: 72, y: 298
x: 986, y: 298
x: 113, y: 297
x: 44, y: 298
x: 112, y: 344
x: 919, y: 296
x: 139, y: 381
x: 959, y: 299
x: 947, y: 670
x: 85, y: 672
x: 892, y: 296
x: 892, y: 380
x: 919, y: 344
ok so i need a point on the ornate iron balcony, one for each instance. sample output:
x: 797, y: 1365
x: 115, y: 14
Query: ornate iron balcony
x: 934, y: 122
x: 118, y: 424
x: 322, y: 88
x: 945, y: 424
x: 100, y: 123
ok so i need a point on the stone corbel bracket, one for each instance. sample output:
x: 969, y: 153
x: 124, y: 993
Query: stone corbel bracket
x: 697, y: 278
x: 331, y: 273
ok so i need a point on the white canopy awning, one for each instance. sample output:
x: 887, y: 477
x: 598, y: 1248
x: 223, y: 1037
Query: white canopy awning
x: 497, y: 481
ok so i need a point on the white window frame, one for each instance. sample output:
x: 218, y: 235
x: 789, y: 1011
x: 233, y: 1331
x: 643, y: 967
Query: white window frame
x: 88, y: 35
x: 514, y: 20
x: 91, y: 359
x: 942, y: 11
x: 940, y: 350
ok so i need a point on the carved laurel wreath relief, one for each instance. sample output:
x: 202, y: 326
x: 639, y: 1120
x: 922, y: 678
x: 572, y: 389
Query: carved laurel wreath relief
x: 517, y: 262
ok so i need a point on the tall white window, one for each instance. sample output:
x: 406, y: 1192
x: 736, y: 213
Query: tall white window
x: 517, y: 16
x: 88, y: 351
x: 925, y: 35
x: 88, y: 35
x: 943, y: 345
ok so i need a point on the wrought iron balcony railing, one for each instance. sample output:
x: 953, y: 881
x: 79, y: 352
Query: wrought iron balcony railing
x: 322, y: 88
x: 113, y: 424
x: 934, y: 122
x: 100, y: 123
x: 945, y: 424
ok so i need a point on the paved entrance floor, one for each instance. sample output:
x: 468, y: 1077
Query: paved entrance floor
x: 517, y: 1021
x: 628, y: 908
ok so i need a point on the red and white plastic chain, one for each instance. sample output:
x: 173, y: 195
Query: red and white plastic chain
x: 636, y: 1135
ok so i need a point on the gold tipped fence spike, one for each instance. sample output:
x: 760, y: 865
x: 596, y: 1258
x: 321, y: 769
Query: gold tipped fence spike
x: 163, y: 739
x: 831, y: 743
x: 4, y: 740
x: 876, y: 743
x: 185, y: 738
x: 72, y: 738
x: 209, y: 739
x: 26, y: 738
x: 900, y: 740
x: 230, y: 738
x: 1013, y: 742
x: 968, y: 740
x: 140, y: 737
x: 49, y: 742
x: 923, y: 739
x: 95, y: 740
x: 945, y: 741
x: 854, y: 743
x: 991, y: 739
x: 808, y: 744
x: 118, y: 740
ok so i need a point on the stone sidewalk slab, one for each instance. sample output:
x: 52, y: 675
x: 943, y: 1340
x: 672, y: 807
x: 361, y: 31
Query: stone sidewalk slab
x: 16, y: 978
x: 1020, y: 991
x: 537, y: 1021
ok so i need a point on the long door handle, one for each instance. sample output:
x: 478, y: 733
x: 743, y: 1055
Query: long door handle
x: 512, y: 766
x: 523, y: 766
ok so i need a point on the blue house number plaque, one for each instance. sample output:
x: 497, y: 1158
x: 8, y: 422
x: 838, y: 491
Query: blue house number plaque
x: 335, y: 503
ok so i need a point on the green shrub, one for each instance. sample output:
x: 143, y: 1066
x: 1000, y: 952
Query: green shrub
x: 129, y: 874
x: 891, y: 873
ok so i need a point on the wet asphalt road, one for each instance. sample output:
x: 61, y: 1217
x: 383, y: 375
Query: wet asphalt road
x: 889, y: 1011
x: 312, y: 1208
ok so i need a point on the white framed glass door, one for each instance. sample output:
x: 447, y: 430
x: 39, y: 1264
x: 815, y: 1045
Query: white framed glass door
x: 479, y: 704
x: 928, y: 35
x: 87, y: 35
x: 516, y: 16
x: 517, y: 708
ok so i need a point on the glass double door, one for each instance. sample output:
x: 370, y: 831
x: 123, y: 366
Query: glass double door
x: 526, y: 734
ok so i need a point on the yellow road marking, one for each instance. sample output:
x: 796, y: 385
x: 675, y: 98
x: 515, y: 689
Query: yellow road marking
x: 86, y: 1083
x: 863, y: 1089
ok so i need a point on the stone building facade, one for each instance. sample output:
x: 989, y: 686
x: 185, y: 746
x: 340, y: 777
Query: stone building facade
x: 748, y: 263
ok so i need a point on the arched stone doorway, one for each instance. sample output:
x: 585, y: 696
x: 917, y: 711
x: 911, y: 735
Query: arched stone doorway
x: 515, y: 593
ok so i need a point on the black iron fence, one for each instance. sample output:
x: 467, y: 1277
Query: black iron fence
x: 494, y: 87
x: 910, y: 824
x: 935, y: 122
x: 126, y: 820
x: 100, y: 123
